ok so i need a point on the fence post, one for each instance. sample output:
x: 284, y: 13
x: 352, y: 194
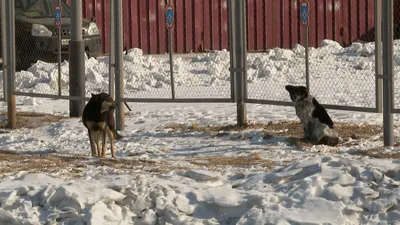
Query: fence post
x: 111, y: 56
x: 378, y: 56
x: 387, y: 15
x: 238, y: 49
x: 8, y: 37
x: 76, y: 61
x: 119, y: 64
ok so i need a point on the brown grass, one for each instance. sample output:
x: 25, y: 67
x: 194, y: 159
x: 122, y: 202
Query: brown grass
x: 11, y: 162
x: 291, y: 129
x: 71, y: 166
x: 31, y: 120
x: 215, y: 161
x: 378, y: 152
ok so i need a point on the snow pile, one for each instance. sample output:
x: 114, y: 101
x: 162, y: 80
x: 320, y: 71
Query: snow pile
x: 328, y: 190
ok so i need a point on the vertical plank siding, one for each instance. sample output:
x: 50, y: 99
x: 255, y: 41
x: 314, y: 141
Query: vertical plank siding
x: 202, y: 25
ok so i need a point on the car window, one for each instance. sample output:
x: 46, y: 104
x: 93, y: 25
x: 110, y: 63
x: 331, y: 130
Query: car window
x: 39, y: 8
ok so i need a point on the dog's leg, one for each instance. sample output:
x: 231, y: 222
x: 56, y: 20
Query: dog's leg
x: 104, y: 144
x: 97, y: 140
x: 111, y: 137
x: 92, y: 146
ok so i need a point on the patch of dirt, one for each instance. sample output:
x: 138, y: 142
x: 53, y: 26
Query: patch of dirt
x: 378, y: 152
x: 213, y: 162
x: 71, y: 165
x: 11, y: 163
x: 291, y: 129
x: 31, y: 120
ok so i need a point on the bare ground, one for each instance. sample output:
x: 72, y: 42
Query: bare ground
x: 31, y: 120
x: 291, y: 129
x: 73, y: 165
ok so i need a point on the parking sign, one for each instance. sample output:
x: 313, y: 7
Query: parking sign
x: 57, y: 16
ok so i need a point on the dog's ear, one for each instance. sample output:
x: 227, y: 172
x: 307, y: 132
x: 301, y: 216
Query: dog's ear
x: 289, y: 88
x: 92, y: 94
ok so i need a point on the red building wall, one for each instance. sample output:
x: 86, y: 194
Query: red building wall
x: 203, y: 24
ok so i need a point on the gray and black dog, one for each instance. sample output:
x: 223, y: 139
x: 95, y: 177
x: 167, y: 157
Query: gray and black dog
x: 318, y: 126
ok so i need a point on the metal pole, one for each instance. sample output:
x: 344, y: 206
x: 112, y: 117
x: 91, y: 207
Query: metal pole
x: 10, y: 62
x: 240, y: 58
x: 76, y: 61
x: 387, y: 15
x: 4, y: 38
x: 378, y: 56
x: 59, y: 55
x: 232, y: 40
x: 171, y: 60
x: 306, y: 33
x: 119, y: 65
x: 111, y: 63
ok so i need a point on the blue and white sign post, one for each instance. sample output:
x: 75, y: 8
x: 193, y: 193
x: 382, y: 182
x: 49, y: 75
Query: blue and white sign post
x: 169, y: 19
x: 304, y: 16
x: 57, y: 23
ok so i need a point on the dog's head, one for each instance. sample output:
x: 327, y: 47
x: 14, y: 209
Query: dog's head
x: 297, y: 93
x: 105, y: 100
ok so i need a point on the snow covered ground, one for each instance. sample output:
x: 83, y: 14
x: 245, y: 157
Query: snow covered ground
x: 183, y: 164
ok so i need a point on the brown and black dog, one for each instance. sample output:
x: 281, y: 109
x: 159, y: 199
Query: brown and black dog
x: 98, y: 118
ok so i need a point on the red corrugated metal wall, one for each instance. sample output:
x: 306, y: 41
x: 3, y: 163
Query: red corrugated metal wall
x: 203, y: 24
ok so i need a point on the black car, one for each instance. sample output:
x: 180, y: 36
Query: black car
x: 36, y: 36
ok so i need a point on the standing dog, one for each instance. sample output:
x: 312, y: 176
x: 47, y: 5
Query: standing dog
x: 98, y: 119
x: 317, y: 125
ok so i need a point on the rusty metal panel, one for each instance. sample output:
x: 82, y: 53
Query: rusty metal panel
x: 353, y: 8
x: 312, y: 21
x: 144, y: 26
x: 345, y: 23
x: 179, y: 40
x: 269, y: 25
x: 134, y: 24
x: 106, y: 22
x: 188, y: 15
x: 362, y: 17
x: 224, y: 25
x: 126, y: 20
x: 337, y: 20
x: 321, y: 23
x: 202, y: 25
x: 215, y: 28
x: 251, y: 25
x: 259, y: 21
x: 328, y: 20
x: 285, y: 26
x: 277, y: 30
x: 162, y: 31
x: 207, y: 25
x: 198, y: 26
x: 152, y: 21
x: 294, y: 22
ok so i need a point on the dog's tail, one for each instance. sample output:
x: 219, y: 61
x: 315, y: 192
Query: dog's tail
x: 117, y: 136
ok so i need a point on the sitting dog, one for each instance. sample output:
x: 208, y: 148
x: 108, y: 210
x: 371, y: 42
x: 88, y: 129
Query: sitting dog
x: 98, y: 119
x: 317, y: 125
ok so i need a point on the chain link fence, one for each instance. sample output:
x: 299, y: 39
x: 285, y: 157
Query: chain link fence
x: 197, y: 71
x: 37, y: 43
x: 341, y: 52
x: 396, y: 53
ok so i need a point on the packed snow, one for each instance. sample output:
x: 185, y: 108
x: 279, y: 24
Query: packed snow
x: 162, y: 175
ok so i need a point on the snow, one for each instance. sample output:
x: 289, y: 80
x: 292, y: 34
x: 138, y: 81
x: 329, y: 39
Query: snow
x: 162, y: 176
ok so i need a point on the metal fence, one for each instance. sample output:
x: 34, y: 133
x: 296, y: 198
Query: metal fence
x: 342, y: 76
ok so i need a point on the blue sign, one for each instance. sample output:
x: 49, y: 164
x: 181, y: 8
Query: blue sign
x: 57, y: 16
x: 169, y: 17
x: 304, y: 13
